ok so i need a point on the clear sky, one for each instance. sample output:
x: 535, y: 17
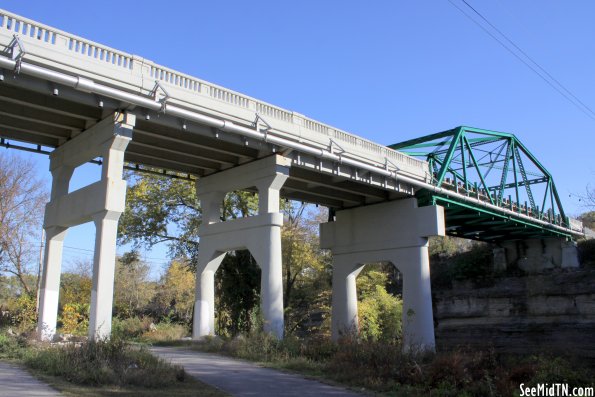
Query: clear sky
x: 385, y: 70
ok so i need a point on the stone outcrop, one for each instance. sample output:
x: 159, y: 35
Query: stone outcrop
x: 554, y: 311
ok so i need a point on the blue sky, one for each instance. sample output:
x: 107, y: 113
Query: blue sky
x: 385, y: 70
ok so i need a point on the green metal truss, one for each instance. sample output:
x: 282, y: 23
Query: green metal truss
x: 496, y: 168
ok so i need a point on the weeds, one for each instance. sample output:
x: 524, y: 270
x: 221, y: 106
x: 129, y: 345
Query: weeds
x: 105, y: 363
x: 165, y: 332
x: 384, y: 368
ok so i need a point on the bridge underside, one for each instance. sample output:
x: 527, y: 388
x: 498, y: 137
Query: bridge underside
x: 482, y: 224
x: 46, y: 115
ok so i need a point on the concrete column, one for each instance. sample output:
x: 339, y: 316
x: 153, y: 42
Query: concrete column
x: 104, y: 262
x: 260, y: 234
x: 101, y: 202
x: 50, y: 283
x: 344, y: 318
x: 418, y: 320
x: 268, y: 193
x: 204, y: 305
x: 393, y: 232
x: 267, y: 252
x: 210, y: 204
x: 52, y: 261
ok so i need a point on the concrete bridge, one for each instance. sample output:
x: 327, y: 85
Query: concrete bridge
x: 80, y: 101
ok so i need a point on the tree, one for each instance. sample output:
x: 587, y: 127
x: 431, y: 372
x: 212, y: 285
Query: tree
x: 174, y: 299
x: 132, y: 290
x: 306, y: 268
x: 161, y: 209
x: 589, y: 197
x: 588, y: 219
x: 75, y: 298
x: 22, y: 197
x: 380, y: 315
x: 379, y: 312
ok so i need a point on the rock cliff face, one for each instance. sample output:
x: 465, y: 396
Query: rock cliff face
x: 554, y: 311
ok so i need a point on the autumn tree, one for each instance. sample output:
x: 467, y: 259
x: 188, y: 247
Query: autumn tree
x: 132, y: 290
x: 306, y: 268
x: 174, y: 298
x: 22, y: 197
x: 75, y: 297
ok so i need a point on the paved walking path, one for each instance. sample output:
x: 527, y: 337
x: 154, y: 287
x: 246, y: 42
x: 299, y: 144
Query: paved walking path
x: 16, y: 382
x: 241, y: 378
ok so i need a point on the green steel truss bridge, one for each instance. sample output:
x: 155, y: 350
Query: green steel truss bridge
x: 515, y: 195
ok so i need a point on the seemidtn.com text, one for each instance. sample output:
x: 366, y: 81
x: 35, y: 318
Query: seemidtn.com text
x: 556, y: 390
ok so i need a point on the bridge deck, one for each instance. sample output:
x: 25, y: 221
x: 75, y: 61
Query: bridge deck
x: 55, y: 85
x: 49, y: 113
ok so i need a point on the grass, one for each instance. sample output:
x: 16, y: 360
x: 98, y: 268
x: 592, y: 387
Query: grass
x: 383, y: 367
x: 102, y: 368
x: 190, y: 387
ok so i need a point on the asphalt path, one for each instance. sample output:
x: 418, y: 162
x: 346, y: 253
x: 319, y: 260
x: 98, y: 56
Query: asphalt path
x: 16, y: 382
x: 241, y: 378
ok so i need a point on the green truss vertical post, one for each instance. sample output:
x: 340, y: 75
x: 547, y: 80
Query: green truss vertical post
x: 516, y: 180
x: 464, y: 161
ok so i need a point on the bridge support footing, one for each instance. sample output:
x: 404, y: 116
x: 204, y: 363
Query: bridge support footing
x: 537, y: 255
x: 260, y: 234
x: 395, y: 232
x: 101, y: 202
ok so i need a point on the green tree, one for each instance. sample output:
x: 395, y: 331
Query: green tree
x: 237, y: 293
x: 153, y: 204
x: 379, y: 311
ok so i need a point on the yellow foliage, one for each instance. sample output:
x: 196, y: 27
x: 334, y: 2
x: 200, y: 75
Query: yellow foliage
x: 177, y: 292
x: 75, y: 318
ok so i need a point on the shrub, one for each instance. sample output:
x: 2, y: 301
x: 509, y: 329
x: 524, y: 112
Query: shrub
x: 111, y: 362
x: 75, y: 318
x: 165, y: 332
x: 12, y: 347
x: 380, y: 316
x: 23, y: 313
x: 130, y: 328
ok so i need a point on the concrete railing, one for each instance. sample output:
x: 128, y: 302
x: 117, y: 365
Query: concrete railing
x: 48, y: 46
